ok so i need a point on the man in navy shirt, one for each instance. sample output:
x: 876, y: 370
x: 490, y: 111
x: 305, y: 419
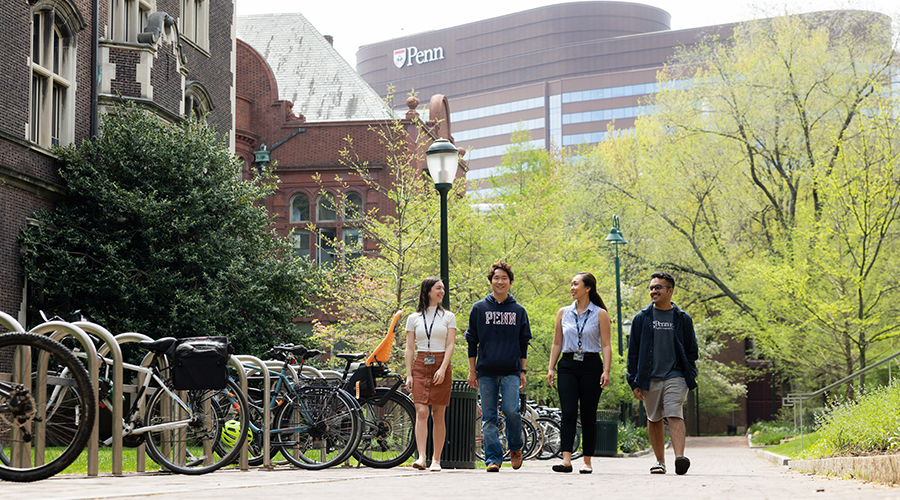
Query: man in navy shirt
x: 662, y: 355
x: 498, y: 338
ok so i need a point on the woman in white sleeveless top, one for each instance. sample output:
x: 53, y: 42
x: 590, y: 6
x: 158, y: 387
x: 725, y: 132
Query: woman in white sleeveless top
x: 430, y: 336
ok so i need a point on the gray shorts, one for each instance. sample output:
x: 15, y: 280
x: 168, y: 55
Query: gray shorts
x: 665, y: 399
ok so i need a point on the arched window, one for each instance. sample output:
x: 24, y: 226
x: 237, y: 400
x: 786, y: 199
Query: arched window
x: 325, y: 208
x: 353, y: 206
x: 52, y: 115
x: 299, y: 208
x: 196, y: 101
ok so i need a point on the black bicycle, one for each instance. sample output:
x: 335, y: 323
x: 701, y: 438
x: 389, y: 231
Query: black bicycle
x: 47, y: 407
x: 388, y: 431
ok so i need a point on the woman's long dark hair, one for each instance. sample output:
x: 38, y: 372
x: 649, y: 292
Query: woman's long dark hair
x: 424, y: 290
x: 590, y: 281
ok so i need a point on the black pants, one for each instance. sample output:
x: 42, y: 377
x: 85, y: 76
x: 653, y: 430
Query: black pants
x: 579, y: 382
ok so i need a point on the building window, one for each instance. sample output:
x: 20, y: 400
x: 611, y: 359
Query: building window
x: 52, y: 74
x: 353, y: 243
x: 353, y: 207
x: 197, y: 102
x: 300, y: 208
x: 337, y: 239
x: 195, y: 22
x: 127, y: 18
x: 300, y: 243
x: 325, y: 245
x: 325, y: 209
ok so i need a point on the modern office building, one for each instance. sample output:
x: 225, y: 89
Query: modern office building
x: 562, y: 72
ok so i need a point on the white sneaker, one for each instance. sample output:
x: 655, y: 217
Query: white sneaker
x: 435, y: 466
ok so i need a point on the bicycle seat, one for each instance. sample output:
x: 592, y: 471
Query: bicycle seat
x: 160, y: 346
x: 351, y: 356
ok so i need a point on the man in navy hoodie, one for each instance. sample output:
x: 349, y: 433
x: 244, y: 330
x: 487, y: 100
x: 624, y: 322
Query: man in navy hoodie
x: 662, y: 355
x: 498, y: 338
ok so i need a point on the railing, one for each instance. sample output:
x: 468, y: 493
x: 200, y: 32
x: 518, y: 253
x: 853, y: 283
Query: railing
x: 796, y: 399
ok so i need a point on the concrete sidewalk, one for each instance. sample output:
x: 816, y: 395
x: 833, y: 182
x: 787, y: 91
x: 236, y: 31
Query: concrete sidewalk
x: 721, y: 467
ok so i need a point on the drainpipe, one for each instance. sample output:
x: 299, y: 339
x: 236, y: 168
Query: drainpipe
x: 95, y: 74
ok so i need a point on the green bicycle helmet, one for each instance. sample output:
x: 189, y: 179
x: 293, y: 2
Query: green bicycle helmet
x: 230, y: 433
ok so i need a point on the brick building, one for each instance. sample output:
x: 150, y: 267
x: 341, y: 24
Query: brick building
x: 300, y: 101
x: 171, y: 56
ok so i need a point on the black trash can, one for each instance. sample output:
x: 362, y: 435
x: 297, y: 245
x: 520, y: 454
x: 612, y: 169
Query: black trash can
x: 607, y: 433
x: 459, y: 448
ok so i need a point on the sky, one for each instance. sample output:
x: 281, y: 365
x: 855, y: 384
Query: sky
x: 354, y: 23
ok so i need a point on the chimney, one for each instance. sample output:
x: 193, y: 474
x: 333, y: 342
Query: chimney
x: 330, y: 39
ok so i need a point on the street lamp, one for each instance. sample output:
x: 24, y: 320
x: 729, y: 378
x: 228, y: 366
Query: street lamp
x: 261, y: 157
x: 616, y: 239
x: 443, y: 161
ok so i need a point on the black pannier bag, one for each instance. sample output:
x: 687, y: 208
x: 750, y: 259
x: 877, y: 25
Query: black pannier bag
x: 200, y: 363
x: 361, y: 383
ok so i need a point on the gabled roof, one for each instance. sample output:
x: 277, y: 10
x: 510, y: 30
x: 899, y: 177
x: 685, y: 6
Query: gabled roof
x: 309, y: 72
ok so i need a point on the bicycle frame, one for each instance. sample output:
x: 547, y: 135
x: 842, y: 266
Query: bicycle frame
x: 150, y: 374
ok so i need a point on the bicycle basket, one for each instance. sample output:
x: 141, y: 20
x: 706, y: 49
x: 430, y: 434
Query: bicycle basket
x: 199, y: 363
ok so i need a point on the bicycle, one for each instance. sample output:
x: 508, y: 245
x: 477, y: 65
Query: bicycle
x: 315, y: 425
x: 389, y: 416
x: 195, y: 433
x: 41, y: 435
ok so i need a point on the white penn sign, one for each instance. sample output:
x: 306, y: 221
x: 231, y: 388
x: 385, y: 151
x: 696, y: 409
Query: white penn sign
x: 410, y: 55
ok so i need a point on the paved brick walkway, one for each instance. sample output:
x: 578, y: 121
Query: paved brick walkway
x: 722, y: 468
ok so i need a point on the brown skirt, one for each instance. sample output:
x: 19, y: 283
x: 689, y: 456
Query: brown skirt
x: 425, y: 391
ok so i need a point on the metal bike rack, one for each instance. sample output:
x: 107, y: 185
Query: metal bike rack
x: 58, y: 330
x: 111, y: 346
x: 125, y: 338
x: 239, y: 368
x: 267, y: 402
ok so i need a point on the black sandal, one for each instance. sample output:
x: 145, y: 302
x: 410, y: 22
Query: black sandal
x: 659, y: 468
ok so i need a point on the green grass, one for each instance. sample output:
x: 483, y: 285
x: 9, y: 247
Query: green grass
x: 791, y: 449
x: 769, y: 433
x: 129, y: 462
x: 868, y: 426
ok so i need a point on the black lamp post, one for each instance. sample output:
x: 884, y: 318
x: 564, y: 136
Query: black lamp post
x: 615, y: 238
x: 443, y: 161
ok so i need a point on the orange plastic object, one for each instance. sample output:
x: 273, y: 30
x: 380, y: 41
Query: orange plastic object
x: 383, y: 352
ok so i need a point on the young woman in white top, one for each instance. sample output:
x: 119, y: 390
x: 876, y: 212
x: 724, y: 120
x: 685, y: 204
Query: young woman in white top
x: 431, y: 331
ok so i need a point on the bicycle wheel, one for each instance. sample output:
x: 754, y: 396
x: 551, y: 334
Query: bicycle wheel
x: 551, y: 445
x: 531, y: 438
x: 319, y: 427
x: 62, y: 426
x: 388, y: 437
x: 202, y: 437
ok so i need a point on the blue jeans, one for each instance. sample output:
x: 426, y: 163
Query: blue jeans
x: 491, y: 388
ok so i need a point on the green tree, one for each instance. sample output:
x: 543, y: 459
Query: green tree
x: 405, y: 233
x: 159, y: 235
x: 766, y: 176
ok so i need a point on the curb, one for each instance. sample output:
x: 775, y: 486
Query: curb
x: 774, y: 458
x: 881, y: 468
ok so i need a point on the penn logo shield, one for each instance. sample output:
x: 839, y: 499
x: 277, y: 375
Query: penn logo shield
x: 399, y: 57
